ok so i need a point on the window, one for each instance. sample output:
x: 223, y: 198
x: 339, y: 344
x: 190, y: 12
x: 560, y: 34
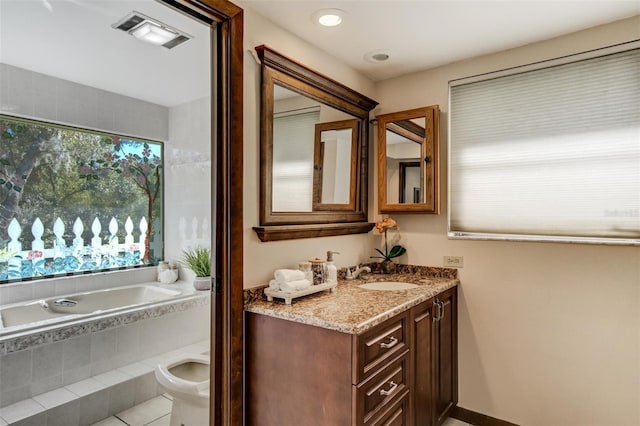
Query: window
x: 550, y: 153
x: 76, y: 201
x: 293, y: 159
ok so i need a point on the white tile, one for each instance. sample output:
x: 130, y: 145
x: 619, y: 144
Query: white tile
x: 46, y: 361
x: 121, y: 397
x: 2, y: 422
x: 94, y: 407
x: 55, y: 398
x: 112, y: 377
x: 64, y: 415
x: 20, y: 410
x: 110, y: 421
x: 11, y: 396
x: 15, y: 370
x: 76, y: 353
x: 136, y: 369
x: 162, y: 421
x: 85, y: 387
x: 166, y: 395
x: 146, y: 412
x: 146, y: 387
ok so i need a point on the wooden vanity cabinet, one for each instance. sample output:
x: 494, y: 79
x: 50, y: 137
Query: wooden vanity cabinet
x: 400, y: 372
x: 434, y: 386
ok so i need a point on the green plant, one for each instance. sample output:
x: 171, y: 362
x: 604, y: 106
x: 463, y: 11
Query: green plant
x: 397, y: 250
x: 198, y: 260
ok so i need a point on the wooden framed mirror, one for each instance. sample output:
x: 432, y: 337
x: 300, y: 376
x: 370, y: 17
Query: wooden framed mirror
x: 408, y: 164
x: 313, y: 153
x: 334, y: 165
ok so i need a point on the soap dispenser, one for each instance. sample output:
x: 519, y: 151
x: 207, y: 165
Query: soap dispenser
x: 332, y: 271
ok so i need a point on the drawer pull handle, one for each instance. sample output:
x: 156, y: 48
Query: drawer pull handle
x: 393, y: 387
x: 391, y: 343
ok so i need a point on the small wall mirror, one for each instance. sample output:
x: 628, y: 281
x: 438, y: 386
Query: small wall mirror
x: 335, y: 161
x: 408, y: 161
x: 313, y: 153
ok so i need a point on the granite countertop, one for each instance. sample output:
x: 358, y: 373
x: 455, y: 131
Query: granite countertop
x: 354, y: 310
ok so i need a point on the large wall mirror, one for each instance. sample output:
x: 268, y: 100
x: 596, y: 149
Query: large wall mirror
x: 408, y: 161
x: 313, y: 153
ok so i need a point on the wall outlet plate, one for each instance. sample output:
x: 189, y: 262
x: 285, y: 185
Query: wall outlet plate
x: 453, y: 261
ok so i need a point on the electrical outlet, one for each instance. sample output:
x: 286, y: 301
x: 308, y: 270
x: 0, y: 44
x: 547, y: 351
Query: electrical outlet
x: 453, y: 261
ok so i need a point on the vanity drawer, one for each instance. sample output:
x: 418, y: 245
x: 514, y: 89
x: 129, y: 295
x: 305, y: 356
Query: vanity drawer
x: 396, y: 415
x: 377, y: 346
x: 382, y: 390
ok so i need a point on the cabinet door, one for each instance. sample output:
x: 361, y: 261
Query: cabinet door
x: 446, y: 354
x: 422, y: 389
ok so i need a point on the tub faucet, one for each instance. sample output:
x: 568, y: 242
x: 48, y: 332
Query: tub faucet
x: 65, y: 302
x: 356, y: 272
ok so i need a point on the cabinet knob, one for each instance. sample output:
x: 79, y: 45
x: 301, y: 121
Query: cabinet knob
x: 393, y: 387
x: 391, y: 343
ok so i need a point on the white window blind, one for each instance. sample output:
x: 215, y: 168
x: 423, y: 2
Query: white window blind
x: 293, y: 143
x: 552, y: 153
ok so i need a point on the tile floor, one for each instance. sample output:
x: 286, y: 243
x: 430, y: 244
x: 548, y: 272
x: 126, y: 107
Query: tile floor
x: 156, y: 412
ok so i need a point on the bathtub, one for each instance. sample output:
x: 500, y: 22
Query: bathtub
x: 58, y: 310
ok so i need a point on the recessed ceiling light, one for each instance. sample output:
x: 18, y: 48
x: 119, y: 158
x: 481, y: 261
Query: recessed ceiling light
x: 151, y: 30
x: 377, y: 56
x: 328, y: 17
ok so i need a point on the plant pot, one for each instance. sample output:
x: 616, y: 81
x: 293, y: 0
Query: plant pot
x: 387, y: 267
x: 202, y: 283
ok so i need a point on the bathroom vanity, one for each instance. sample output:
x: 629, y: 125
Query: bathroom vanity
x: 356, y: 357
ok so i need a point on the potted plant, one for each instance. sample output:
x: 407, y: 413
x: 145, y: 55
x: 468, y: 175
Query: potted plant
x: 387, y: 265
x: 199, y: 261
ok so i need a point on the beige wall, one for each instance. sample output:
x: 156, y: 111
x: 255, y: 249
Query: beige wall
x: 262, y: 258
x: 549, y: 334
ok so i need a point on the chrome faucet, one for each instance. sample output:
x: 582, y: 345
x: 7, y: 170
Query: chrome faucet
x: 65, y: 302
x: 356, y: 272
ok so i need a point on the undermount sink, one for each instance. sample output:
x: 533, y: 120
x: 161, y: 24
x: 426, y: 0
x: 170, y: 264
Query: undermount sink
x: 388, y: 286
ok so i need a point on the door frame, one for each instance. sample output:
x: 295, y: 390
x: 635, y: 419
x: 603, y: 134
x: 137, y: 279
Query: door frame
x: 226, y: 20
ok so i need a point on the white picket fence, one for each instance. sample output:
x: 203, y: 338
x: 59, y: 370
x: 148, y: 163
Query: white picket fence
x: 96, y: 246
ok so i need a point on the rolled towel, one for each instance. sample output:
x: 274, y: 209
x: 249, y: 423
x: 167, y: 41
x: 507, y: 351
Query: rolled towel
x: 274, y: 285
x: 295, y: 285
x: 287, y: 275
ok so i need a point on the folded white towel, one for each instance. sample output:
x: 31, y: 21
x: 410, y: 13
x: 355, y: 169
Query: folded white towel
x: 295, y: 285
x: 287, y: 275
x: 274, y: 285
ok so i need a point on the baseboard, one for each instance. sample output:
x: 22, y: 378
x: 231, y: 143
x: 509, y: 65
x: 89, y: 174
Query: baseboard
x: 477, y: 419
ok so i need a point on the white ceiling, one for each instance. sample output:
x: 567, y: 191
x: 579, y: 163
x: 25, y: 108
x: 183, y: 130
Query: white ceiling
x: 73, y: 39
x: 422, y: 34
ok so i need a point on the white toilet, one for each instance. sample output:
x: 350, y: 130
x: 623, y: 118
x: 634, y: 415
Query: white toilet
x: 187, y: 381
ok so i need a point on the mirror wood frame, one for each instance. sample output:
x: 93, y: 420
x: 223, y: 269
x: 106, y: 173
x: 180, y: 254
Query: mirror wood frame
x: 283, y: 71
x: 429, y: 139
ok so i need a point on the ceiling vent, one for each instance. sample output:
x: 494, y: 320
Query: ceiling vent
x: 151, y: 30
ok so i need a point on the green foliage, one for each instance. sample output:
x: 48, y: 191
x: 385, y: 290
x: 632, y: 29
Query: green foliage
x: 55, y: 187
x: 198, y: 260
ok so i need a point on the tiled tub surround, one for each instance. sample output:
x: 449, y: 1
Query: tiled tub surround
x: 39, y: 361
x: 352, y: 309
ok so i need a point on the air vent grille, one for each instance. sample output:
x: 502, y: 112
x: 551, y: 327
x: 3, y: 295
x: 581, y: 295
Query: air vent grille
x: 176, y: 41
x: 130, y: 23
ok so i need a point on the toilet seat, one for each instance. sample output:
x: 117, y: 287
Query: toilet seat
x: 171, y: 381
x: 190, y: 406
